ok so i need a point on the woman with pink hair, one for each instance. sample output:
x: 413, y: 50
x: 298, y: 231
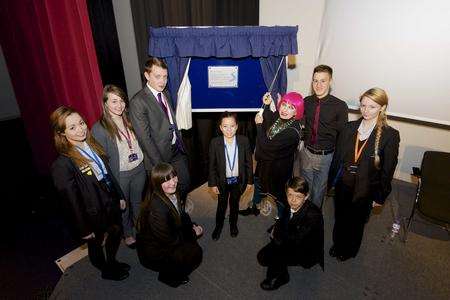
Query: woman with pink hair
x: 278, y: 136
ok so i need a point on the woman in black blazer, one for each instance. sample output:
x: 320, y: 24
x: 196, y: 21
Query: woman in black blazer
x: 166, y: 238
x: 230, y: 171
x: 362, y: 170
x: 91, y: 195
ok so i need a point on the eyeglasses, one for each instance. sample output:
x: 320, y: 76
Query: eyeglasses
x: 287, y: 106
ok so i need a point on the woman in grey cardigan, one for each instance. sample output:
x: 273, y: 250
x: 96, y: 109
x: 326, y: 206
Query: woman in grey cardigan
x: 115, y: 133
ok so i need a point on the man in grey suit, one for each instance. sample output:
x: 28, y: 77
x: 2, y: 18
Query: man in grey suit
x: 154, y: 122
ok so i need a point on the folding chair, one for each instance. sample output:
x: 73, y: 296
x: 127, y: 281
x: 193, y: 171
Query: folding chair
x: 433, y: 190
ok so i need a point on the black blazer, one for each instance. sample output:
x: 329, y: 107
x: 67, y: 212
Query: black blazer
x: 159, y: 231
x: 217, y: 163
x: 302, y: 235
x: 152, y: 127
x: 371, y: 183
x: 91, y: 205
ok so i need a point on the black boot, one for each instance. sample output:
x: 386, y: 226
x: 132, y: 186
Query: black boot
x: 234, y: 231
x: 112, y: 271
x: 270, y: 284
x: 216, y: 232
x: 249, y: 210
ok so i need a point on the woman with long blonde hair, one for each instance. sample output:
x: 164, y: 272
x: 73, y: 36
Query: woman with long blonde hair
x: 362, y: 171
x: 90, y: 194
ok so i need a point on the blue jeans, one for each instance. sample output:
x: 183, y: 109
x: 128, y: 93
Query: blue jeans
x: 315, y: 170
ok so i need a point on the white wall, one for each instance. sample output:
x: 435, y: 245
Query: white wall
x: 127, y: 43
x: 415, y: 139
x: 308, y: 16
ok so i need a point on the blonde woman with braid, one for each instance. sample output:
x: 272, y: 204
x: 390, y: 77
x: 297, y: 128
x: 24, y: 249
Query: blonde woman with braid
x: 362, y: 170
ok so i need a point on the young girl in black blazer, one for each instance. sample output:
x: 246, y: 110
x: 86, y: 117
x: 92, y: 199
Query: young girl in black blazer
x: 362, y: 169
x: 230, y: 171
x: 91, y: 195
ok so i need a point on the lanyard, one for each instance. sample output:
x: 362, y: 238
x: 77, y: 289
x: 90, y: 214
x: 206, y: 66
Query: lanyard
x: 358, y: 150
x: 127, y: 137
x: 231, y: 165
x: 95, y: 159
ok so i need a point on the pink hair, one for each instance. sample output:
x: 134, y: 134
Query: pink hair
x: 296, y: 100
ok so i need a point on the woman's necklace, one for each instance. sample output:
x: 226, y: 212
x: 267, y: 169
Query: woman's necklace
x: 278, y: 127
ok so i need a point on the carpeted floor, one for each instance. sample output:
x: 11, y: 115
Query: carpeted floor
x: 385, y: 268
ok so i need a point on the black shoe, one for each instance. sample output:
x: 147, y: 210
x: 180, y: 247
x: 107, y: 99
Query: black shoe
x: 216, y: 233
x: 114, y: 273
x: 274, y: 283
x: 234, y: 231
x: 269, y: 230
x: 184, y: 280
x: 122, y: 266
x: 333, y: 252
x: 343, y: 257
x: 173, y: 282
x: 249, y: 211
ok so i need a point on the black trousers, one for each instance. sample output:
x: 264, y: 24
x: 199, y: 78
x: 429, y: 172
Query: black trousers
x: 350, y: 219
x: 178, y: 263
x: 276, y: 259
x: 232, y: 193
x: 179, y: 162
x: 112, y: 243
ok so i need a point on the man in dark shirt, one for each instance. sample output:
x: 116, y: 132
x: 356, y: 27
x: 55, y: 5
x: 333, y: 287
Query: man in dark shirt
x: 325, y: 116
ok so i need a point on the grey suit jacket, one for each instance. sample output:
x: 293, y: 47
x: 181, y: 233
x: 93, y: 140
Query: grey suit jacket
x: 110, y: 147
x: 152, y: 127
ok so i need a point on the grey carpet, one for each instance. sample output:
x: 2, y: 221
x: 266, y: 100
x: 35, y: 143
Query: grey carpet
x: 385, y: 268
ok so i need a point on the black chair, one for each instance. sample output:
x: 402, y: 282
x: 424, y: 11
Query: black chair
x: 433, y: 190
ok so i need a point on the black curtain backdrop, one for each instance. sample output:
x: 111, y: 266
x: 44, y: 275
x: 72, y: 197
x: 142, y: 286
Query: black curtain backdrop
x: 159, y: 13
x: 104, y: 32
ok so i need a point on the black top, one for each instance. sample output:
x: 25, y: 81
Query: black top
x: 275, y: 156
x: 89, y: 202
x: 217, y: 163
x: 332, y: 118
x: 302, y: 234
x: 159, y: 231
x: 282, y: 145
x: 369, y: 183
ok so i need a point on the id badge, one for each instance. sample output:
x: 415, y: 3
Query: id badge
x: 352, y: 169
x: 232, y: 180
x: 132, y: 157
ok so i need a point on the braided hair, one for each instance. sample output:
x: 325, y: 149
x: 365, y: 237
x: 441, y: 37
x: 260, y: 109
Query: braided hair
x: 379, y: 96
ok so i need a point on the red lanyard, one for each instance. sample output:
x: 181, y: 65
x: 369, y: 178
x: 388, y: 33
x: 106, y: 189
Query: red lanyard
x: 127, y: 136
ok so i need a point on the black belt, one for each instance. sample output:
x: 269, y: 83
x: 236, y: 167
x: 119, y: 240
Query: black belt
x: 319, y: 152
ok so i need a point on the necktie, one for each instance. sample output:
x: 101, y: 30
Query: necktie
x: 163, y: 106
x: 166, y: 111
x: 315, y: 124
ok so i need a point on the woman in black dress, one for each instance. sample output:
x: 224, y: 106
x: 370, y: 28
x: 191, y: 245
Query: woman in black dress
x: 278, y: 136
x: 166, y: 238
x: 91, y: 195
x: 362, y: 171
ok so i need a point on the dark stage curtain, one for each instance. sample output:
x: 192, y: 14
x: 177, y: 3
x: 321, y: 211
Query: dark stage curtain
x: 104, y: 32
x: 158, y: 13
x: 51, y: 59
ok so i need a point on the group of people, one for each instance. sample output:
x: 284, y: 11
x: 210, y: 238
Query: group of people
x: 102, y: 176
